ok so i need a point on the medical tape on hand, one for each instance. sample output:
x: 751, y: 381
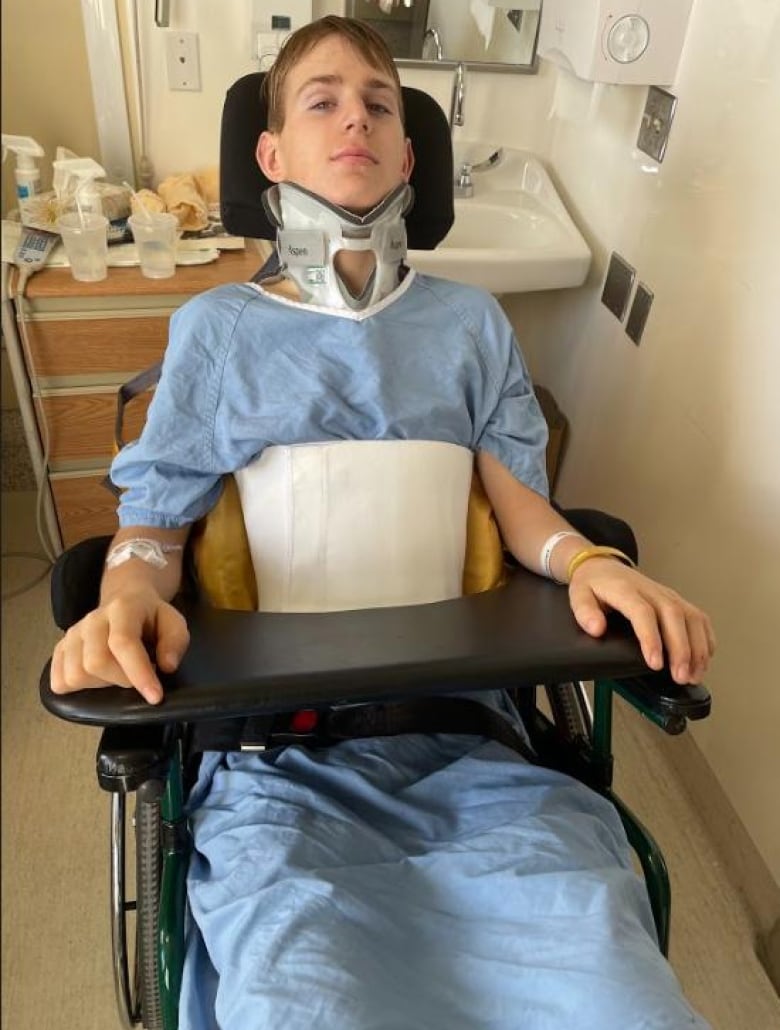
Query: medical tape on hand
x: 151, y: 551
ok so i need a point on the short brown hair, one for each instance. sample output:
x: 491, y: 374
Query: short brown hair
x: 367, y: 41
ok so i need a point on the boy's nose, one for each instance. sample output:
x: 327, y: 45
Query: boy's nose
x: 356, y: 116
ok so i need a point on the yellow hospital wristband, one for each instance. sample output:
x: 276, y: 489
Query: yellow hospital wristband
x: 596, y: 552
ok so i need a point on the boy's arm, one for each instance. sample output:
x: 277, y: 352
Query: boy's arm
x: 109, y: 646
x: 661, y: 618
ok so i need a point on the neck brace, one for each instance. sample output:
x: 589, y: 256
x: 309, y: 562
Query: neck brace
x: 311, y: 231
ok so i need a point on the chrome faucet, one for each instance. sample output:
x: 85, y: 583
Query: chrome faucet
x: 458, y: 99
x: 464, y: 187
x: 433, y: 34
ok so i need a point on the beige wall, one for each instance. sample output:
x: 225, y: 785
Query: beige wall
x: 679, y: 435
x: 182, y: 128
x: 46, y: 91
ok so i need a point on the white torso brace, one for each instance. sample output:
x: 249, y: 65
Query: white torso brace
x: 357, y: 523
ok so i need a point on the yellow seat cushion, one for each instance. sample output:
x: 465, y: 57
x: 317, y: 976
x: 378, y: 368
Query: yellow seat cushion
x: 220, y: 551
x: 223, y: 562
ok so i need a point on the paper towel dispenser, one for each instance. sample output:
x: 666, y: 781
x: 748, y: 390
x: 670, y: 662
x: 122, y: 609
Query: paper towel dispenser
x: 633, y: 42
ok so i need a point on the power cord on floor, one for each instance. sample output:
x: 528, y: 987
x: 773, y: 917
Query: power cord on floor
x: 8, y: 594
x: 46, y: 544
x: 49, y: 556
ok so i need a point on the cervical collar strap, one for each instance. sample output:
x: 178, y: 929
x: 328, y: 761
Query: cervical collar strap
x: 311, y: 231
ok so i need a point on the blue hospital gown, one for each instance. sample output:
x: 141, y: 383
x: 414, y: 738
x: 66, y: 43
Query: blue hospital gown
x: 415, y: 883
x: 409, y: 883
x: 245, y: 370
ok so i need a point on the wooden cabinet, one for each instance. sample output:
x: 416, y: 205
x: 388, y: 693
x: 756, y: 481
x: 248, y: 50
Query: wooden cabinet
x: 83, y: 347
x: 82, y: 341
x: 85, y: 506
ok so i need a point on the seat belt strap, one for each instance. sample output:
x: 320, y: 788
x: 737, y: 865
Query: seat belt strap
x: 127, y: 391
x: 431, y: 715
x: 327, y: 727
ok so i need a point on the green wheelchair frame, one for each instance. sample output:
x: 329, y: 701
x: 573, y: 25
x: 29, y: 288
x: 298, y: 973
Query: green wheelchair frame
x: 252, y: 663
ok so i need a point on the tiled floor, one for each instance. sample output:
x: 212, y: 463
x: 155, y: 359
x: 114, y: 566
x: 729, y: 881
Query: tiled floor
x: 55, y: 920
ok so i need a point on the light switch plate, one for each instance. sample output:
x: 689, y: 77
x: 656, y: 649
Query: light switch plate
x: 618, y: 285
x: 656, y: 122
x: 640, y: 309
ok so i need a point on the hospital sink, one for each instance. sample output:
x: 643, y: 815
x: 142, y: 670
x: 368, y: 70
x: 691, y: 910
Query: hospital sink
x: 513, y: 235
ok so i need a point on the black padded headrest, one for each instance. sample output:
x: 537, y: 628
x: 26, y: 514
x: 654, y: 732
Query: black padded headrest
x: 242, y: 183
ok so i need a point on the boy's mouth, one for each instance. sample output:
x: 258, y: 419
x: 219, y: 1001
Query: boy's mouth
x: 357, y: 154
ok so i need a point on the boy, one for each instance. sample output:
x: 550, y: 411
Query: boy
x: 388, y: 882
x: 335, y: 131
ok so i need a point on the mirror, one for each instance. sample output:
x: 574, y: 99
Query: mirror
x: 493, y: 35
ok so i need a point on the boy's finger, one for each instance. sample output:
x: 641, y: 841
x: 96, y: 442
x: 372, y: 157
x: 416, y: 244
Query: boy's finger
x: 56, y: 676
x: 700, y: 645
x: 173, y: 638
x: 78, y: 665
x: 674, y: 629
x: 644, y: 621
x: 587, y: 610
x: 126, y: 645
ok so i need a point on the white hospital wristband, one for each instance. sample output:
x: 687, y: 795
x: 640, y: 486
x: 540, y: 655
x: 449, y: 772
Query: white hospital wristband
x: 547, y: 549
x: 151, y: 551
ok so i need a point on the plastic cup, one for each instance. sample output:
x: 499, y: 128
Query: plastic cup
x: 155, y: 237
x: 85, y: 238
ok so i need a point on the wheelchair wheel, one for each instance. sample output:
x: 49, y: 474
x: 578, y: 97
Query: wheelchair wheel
x: 570, y: 710
x: 148, y: 870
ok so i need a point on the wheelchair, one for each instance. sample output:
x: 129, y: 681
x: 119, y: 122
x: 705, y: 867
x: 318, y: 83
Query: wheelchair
x: 258, y: 680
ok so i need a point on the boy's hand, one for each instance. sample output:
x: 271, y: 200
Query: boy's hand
x: 662, y: 620
x: 108, y: 646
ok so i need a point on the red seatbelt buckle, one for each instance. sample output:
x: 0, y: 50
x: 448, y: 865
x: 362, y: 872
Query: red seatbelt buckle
x: 304, y: 721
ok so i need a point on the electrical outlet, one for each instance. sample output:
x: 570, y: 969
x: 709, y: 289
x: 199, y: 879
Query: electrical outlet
x: 640, y: 309
x: 181, y: 52
x: 656, y: 122
x: 618, y: 285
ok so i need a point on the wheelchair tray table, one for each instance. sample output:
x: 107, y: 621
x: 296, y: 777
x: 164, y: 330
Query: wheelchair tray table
x: 242, y: 663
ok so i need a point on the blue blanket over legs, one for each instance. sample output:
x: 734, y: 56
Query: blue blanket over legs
x: 415, y: 883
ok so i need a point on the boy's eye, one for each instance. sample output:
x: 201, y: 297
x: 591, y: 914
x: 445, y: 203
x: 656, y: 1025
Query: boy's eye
x: 326, y: 103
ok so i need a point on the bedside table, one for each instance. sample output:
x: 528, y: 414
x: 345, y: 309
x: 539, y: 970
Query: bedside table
x: 84, y: 340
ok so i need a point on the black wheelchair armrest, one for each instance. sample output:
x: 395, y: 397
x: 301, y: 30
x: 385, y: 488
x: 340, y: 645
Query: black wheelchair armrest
x: 667, y: 703
x: 75, y: 580
x: 246, y: 663
x: 129, y: 756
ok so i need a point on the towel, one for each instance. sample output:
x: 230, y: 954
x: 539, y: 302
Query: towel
x: 207, y: 182
x: 484, y: 15
x: 182, y: 198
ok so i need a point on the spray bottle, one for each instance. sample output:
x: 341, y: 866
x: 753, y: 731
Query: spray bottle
x: 28, y: 175
x: 75, y: 178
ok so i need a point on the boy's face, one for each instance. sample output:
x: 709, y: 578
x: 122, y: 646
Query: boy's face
x: 342, y: 136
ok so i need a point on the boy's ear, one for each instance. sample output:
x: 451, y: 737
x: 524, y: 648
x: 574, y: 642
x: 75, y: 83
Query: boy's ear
x: 269, y: 157
x: 408, y: 161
